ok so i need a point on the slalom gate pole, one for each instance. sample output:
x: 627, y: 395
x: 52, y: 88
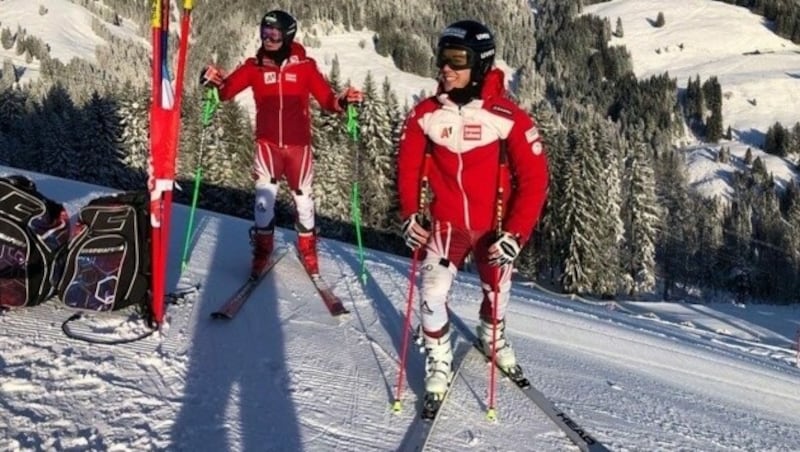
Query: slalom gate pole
x: 355, y: 198
x: 397, y: 406
x: 209, y: 108
x: 164, y: 136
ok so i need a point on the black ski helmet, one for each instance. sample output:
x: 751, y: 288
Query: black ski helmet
x: 283, y: 21
x: 474, y: 37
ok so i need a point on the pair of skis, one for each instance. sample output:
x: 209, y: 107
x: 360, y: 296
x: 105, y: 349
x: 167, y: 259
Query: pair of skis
x: 231, y: 306
x: 429, y: 414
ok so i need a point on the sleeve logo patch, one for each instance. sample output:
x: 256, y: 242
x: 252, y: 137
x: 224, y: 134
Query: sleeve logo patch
x: 537, y: 148
x: 532, y: 134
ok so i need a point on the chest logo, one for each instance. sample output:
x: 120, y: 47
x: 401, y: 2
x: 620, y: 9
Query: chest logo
x: 270, y: 78
x: 472, y: 132
x: 446, y: 132
x: 291, y: 78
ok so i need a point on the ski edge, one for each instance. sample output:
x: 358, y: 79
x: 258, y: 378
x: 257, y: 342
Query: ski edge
x: 577, y: 434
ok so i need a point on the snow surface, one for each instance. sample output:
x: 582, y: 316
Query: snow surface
x: 286, y: 376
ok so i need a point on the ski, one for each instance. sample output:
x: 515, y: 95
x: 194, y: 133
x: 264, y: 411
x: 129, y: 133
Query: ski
x: 420, y: 432
x: 577, y: 434
x: 332, y: 302
x: 234, y: 303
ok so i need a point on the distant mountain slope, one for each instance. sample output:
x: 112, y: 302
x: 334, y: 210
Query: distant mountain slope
x: 759, y: 71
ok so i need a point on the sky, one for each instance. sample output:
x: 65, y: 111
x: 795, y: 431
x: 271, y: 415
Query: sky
x: 284, y: 375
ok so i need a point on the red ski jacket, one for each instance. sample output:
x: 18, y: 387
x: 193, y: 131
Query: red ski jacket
x: 281, y: 95
x: 464, y: 166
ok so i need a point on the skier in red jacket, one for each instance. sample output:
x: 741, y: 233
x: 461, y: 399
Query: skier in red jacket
x: 458, y: 137
x: 282, y: 78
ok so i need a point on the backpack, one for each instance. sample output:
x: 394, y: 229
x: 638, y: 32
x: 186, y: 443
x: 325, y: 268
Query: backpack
x: 34, y: 231
x: 108, y: 258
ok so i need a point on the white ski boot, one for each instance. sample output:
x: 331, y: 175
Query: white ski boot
x: 438, y: 363
x: 506, y: 359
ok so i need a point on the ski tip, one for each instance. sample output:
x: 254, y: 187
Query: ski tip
x: 220, y: 315
x: 343, y: 313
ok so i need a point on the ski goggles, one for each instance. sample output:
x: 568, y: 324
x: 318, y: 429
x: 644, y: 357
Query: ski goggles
x: 457, y: 58
x: 271, y: 34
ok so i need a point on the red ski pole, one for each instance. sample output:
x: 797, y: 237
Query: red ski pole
x: 398, y: 404
x: 491, y: 413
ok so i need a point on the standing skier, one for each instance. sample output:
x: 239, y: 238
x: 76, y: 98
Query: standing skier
x: 282, y: 78
x: 465, y: 130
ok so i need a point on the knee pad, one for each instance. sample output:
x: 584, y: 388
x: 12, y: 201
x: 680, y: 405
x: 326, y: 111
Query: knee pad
x: 437, y: 278
x: 264, y: 208
x: 304, y: 206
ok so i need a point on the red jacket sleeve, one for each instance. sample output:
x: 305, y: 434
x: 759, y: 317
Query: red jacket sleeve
x: 237, y: 81
x: 321, y: 90
x: 410, y: 157
x: 527, y: 162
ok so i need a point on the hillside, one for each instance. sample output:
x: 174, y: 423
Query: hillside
x: 759, y: 73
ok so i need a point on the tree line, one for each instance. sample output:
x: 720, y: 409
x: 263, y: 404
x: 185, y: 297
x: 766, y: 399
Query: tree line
x: 620, y: 220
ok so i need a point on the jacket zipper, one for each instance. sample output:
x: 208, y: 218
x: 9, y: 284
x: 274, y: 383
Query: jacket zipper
x: 280, y: 106
x: 461, y: 170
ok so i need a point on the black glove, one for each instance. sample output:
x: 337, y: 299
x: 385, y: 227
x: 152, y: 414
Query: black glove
x: 504, y: 250
x: 414, y: 232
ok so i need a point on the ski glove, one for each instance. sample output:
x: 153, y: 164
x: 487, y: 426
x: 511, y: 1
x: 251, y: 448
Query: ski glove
x: 211, y: 77
x: 504, y: 250
x: 350, y: 96
x: 414, y: 233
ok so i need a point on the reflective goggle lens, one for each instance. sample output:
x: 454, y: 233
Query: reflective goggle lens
x: 457, y: 59
x: 271, y: 34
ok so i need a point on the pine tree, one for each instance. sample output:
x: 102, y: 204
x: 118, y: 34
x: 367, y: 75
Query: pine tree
x: 675, y: 244
x: 62, y: 124
x: 619, y: 32
x: 580, y: 212
x: 609, y: 225
x: 642, y: 220
x: 134, y: 120
x: 375, y: 160
x: 333, y: 173
x: 103, y: 153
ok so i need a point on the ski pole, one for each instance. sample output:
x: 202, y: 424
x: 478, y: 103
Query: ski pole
x: 209, y: 108
x: 491, y: 413
x: 355, y: 199
x: 398, y: 404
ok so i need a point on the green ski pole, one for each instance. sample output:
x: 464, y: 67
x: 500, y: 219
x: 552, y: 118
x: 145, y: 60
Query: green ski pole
x: 209, y: 108
x: 355, y: 200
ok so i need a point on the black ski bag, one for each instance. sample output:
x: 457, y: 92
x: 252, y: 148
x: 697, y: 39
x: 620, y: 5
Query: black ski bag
x: 34, y: 231
x: 108, y: 258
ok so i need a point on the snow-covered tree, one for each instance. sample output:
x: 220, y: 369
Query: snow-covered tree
x: 642, y: 215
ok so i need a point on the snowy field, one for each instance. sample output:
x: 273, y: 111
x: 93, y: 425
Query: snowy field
x: 285, y: 376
